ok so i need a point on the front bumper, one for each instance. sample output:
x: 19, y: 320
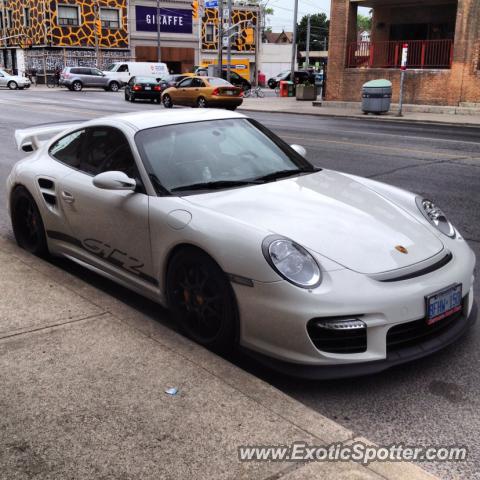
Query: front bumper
x: 398, y: 357
x: 274, y: 317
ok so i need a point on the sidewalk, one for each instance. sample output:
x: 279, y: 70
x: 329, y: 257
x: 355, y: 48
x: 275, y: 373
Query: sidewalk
x: 352, y: 110
x: 83, y: 394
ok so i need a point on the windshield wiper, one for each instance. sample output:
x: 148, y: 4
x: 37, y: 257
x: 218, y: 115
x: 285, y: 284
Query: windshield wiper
x: 281, y: 174
x: 217, y: 185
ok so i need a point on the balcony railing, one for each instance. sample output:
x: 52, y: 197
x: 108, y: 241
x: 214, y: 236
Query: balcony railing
x: 421, y: 54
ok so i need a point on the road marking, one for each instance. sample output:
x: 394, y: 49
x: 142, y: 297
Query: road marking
x: 378, y: 147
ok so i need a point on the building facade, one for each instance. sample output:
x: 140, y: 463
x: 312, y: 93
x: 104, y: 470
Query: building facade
x: 443, y: 38
x: 178, y: 38
x: 246, y: 20
x: 68, y: 29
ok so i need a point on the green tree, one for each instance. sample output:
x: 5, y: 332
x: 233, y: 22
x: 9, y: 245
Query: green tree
x: 319, y: 25
x: 364, y: 23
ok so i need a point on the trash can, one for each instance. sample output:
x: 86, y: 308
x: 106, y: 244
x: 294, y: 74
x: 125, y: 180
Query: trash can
x: 376, y: 96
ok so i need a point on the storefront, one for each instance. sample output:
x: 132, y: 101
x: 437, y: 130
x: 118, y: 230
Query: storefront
x: 178, y: 34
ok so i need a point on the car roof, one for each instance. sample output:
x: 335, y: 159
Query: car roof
x: 144, y: 120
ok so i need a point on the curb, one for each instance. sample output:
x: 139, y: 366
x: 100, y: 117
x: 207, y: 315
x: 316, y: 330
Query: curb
x: 367, y: 118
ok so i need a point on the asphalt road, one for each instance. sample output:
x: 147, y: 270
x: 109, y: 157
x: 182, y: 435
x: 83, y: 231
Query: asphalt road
x: 435, y: 401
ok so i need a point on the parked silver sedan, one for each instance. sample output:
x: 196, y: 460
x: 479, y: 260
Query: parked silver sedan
x: 13, y: 81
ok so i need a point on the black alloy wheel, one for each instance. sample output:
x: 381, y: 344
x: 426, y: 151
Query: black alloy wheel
x: 27, y: 223
x: 202, y: 300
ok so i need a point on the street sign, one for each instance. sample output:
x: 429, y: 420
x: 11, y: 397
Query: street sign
x: 403, y: 65
x: 225, y: 41
x: 226, y: 13
x: 211, y: 4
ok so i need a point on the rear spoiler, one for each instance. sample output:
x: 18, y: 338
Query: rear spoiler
x: 28, y: 139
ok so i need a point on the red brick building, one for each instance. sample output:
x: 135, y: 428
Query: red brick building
x: 444, y: 50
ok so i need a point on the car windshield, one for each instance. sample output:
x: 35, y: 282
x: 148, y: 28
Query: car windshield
x: 283, y: 74
x: 217, y: 82
x: 111, y: 67
x: 216, y: 154
x: 146, y: 80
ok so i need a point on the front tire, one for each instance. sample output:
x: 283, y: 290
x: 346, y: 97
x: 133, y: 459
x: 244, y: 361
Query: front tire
x: 27, y: 223
x: 202, y: 300
x: 201, y: 102
x: 167, y: 101
x: 12, y: 85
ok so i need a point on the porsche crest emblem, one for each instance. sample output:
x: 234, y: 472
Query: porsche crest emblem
x: 401, y: 249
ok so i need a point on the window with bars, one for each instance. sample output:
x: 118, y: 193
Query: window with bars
x: 26, y: 17
x: 110, y: 17
x: 210, y: 33
x: 68, y: 16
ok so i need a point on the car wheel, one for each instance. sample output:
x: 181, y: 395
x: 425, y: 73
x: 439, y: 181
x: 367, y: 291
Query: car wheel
x: 27, y: 223
x: 12, y: 85
x: 77, y: 86
x: 201, y: 102
x: 114, y: 87
x: 202, y: 300
x: 167, y: 101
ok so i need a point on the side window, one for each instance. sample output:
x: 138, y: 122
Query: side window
x: 196, y: 82
x: 108, y: 150
x: 132, y: 81
x: 123, y: 68
x: 68, y: 149
x: 96, y: 72
x: 185, y: 83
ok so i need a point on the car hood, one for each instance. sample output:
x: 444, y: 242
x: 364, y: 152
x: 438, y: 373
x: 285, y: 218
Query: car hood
x: 333, y: 215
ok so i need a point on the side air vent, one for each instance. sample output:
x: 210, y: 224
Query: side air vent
x: 46, y: 183
x: 47, y: 187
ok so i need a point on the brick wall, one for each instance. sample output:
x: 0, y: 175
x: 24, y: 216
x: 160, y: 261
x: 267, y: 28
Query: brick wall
x: 434, y: 87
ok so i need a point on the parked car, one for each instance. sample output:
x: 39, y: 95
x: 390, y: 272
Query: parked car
x: 203, y: 92
x: 235, y: 79
x: 143, y: 88
x: 300, y: 76
x: 13, y: 81
x: 77, y: 78
x: 122, y: 72
x: 317, y: 272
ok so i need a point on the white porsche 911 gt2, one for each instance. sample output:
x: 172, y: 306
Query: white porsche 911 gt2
x: 318, y: 273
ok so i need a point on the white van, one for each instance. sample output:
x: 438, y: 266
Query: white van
x: 124, y: 71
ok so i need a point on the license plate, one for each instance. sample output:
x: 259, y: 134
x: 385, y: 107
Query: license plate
x: 229, y: 92
x: 148, y: 88
x: 444, y: 303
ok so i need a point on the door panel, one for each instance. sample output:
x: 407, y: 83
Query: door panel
x: 111, y: 226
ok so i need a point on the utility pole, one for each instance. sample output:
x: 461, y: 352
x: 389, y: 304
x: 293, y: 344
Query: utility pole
x: 294, y: 41
x: 220, y: 38
x: 307, y: 55
x: 229, y: 44
x: 159, y: 20
x: 98, y: 31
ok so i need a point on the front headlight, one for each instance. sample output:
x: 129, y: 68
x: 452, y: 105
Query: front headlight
x: 435, y: 216
x: 292, y: 262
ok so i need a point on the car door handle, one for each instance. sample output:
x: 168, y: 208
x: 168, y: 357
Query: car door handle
x: 68, y: 197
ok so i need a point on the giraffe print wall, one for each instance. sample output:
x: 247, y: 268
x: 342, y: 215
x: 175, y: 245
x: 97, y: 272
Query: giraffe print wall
x: 44, y: 29
x: 239, y: 43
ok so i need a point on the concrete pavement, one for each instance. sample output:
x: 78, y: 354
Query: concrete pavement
x: 83, y: 380
x: 352, y: 110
